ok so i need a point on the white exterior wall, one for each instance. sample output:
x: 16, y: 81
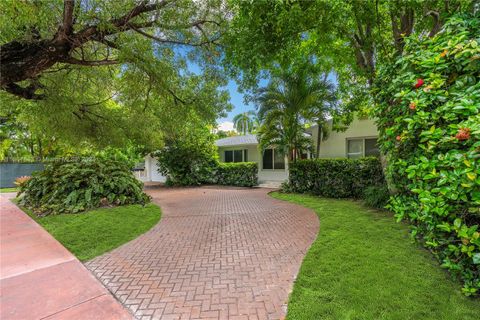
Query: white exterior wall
x: 150, y: 174
x: 336, y: 144
x: 254, y: 155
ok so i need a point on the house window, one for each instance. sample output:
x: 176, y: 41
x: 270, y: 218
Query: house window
x: 273, y: 159
x: 362, y: 147
x: 229, y: 156
x: 240, y: 155
x: 268, y: 159
x: 371, y: 148
x: 237, y: 155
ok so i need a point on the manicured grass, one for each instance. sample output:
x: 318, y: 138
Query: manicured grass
x: 363, y: 265
x: 90, y: 234
x: 4, y: 190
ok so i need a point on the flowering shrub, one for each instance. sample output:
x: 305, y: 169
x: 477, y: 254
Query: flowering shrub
x: 429, y: 123
x: 22, y: 180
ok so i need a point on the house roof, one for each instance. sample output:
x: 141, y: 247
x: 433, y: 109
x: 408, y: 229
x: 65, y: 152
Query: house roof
x: 237, y: 141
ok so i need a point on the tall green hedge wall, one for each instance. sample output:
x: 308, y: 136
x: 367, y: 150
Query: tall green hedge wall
x: 429, y: 121
x: 336, y: 178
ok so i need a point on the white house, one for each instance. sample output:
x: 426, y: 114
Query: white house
x: 359, y: 140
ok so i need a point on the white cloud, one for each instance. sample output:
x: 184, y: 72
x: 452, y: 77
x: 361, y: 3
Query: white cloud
x: 225, y: 126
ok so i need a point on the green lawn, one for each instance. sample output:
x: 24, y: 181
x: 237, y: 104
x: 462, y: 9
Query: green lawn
x: 4, y: 190
x: 90, y: 234
x: 363, y: 265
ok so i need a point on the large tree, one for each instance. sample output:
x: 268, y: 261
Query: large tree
x: 347, y: 37
x: 93, y: 33
x: 106, y: 69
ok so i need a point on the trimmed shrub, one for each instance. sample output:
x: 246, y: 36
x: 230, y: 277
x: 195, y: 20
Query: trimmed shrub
x: 376, y: 196
x: 75, y: 186
x: 242, y: 174
x: 336, y: 178
x: 429, y: 122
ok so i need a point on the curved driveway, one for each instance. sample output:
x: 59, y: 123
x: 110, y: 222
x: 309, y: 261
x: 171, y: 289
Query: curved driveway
x: 217, y: 253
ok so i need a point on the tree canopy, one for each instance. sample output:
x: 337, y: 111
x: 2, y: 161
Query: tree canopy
x: 111, y: 71
x: 346, y: 38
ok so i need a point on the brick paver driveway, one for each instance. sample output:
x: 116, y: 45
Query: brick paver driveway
x: 217, y: 253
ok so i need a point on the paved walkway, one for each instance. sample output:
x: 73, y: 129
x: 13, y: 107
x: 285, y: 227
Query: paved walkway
x: 40, y: 279
x: 217, y: 253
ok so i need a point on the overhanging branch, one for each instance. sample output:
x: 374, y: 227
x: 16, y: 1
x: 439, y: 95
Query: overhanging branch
x: 162, y: 40
x: 96, y: 63
x: 24, y: 92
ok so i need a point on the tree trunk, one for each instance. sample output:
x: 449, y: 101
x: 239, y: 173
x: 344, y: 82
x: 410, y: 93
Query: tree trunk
x: 319, y: 139
x: 40, y: 149
x: 21, y: 61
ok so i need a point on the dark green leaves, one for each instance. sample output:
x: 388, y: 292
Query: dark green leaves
x: 336, y: 178
x: 435, y: 166
x: 76, y: 186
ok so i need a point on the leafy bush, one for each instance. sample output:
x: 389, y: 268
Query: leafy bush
x: 429, y: 121
x: 188, y: 160
x: 336, y: 178
x: 70, y: 187
x: 376, y: 196
x: 242, y: 174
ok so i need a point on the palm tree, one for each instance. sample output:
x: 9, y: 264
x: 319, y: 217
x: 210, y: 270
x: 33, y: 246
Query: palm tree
x: 319, y: 113
x: 287, y: 105
x: 245, y: 122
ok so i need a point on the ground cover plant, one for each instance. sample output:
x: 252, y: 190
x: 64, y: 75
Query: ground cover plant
x: 79, y: 185
x: 429, y: 122
x: 95, y: 232
x: 363, y: 266
x: 376, y: 196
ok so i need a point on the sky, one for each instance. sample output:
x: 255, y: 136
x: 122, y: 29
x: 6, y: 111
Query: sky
x: 236, y: 99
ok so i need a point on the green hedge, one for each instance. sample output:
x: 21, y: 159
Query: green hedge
x: 428, y: 115
x: 242, y: 174
x: 336, y: 178
x: 75, y: 186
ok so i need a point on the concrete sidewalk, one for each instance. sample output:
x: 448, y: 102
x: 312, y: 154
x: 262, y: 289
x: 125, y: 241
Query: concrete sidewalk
x: 40, y: 279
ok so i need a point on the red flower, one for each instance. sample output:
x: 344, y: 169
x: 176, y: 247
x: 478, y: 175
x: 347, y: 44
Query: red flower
x: 399, y: 138
x: 412, y: 106
x: 463, y: 134
x: 419, y: 83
